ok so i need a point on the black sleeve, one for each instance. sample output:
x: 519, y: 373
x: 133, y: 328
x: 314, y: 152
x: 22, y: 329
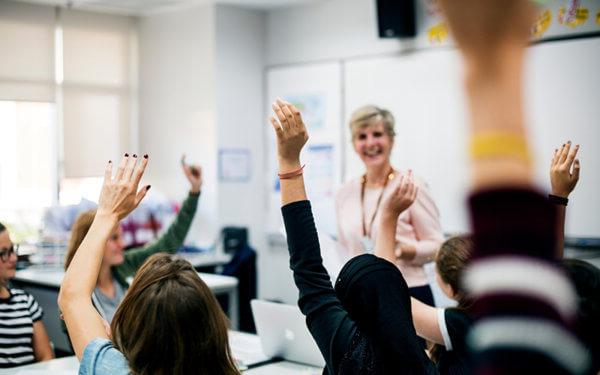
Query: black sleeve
x: 457, y: 324
x: 327, y: 320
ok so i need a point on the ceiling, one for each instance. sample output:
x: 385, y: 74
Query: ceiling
x: 142, y: 7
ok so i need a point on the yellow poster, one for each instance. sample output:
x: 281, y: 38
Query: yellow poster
x: 438, y: 33
x: 542, y: 23
x: 573, y: 17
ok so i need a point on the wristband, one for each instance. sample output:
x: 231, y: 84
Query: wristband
x: 499, y: 144
x: 294, y: 173
x: 558, y: 200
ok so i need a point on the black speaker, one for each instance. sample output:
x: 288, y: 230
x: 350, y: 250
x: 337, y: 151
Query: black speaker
x: 396, y: 18
x: 234, y: 238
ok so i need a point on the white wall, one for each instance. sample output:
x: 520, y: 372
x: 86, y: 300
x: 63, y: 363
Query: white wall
x: 240, y: 60
x: 177, y: 106
x: 329, y: 30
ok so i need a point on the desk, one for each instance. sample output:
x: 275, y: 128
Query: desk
x: 241, y: 344
x: 44, y: 284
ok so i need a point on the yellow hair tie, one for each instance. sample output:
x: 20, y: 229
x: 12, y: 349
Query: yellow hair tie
x: 499, y: 144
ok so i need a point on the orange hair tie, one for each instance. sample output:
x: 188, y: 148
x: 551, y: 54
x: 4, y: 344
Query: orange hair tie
x: 294, y: 173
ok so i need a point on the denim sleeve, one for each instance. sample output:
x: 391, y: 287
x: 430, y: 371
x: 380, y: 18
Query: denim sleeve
x: 100, y: 357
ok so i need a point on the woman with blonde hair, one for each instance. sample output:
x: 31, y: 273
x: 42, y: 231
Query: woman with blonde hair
x: 358, y: 203
x: 169, y: 321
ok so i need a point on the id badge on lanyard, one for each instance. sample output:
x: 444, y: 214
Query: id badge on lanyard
x: 367, y: 244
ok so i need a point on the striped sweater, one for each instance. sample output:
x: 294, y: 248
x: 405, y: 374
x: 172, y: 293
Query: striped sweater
x: 18, y: 312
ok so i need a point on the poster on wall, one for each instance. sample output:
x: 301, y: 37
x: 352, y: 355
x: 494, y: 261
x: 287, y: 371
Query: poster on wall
x: 555, y: 19
x: 316, y: 91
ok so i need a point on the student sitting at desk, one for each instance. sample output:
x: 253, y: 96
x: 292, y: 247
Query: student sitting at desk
x: 169, y: 322
x: 118, y: 265
x: 23, y: 337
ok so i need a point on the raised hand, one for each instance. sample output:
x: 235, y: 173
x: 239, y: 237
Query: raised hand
x: 291, y: 134
x: 402, y: 197
x: 120, y: 195
x: 193, y: 174
x: 564, y: 170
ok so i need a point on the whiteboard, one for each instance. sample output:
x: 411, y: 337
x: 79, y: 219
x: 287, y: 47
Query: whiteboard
x: 424, y: 92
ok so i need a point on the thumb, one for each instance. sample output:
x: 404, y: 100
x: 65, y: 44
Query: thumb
x: 141, y: 194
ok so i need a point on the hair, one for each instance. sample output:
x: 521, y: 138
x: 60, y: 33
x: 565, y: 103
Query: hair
x: 2, y: 228
x: 586, y: 279
x: 78, y: 232
x: 170, y: 322
x: 366, y: 115
x: 451, y: 261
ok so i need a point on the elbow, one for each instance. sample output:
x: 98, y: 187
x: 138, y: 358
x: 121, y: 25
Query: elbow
x: 66, y: 296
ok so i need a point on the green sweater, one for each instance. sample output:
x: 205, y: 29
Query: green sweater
x: 167, y: 243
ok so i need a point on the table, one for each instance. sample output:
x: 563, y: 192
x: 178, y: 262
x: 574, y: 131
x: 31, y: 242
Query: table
x: 241, y: 344
x: 44, y: 284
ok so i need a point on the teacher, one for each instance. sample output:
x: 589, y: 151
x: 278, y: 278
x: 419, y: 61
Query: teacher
x: 359, y: 201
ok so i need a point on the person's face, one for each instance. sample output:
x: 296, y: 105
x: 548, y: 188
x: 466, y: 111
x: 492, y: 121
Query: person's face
x: 446, y: 288
x: 373, y: 144
x: 113, y: 251
x: 8, y: 259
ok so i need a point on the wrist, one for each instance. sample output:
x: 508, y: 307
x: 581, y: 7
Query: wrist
x: 195, y: 190
x: 560, y: 193
x: 288, y: 165
x: 106, y: 219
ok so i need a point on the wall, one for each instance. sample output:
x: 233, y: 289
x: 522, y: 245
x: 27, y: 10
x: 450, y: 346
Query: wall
x: 177, y: 106
x: 240, y: 60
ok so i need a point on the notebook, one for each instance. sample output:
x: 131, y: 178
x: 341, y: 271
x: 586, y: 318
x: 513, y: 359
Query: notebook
x: 283, y: 333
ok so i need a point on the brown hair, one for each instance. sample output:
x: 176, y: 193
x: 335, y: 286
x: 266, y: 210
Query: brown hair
x: 366, y: 115
x: 78, y: 231
x: 170, y: 322
x: 451, y: 261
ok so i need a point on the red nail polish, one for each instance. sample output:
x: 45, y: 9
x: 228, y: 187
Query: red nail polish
x: 145, y: 156
x: 126, y: 155
x: 110, y: 161
x: 148, y: 187
x: 134, y: 155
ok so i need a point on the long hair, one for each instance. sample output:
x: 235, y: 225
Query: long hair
x: 451, y: 261
x: 170, y: 322
x: 78, y: 232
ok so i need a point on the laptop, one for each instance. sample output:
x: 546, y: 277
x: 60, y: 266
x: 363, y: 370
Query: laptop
x: 283, y: 333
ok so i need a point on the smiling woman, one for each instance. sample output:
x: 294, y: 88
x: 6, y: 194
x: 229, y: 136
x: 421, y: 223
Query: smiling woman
x: 418, y: 234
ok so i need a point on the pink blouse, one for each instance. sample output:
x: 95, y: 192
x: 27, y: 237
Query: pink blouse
x: 419, y: 225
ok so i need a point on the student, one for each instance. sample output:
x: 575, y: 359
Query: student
x: 356, y: 326
x: 446, y: 328
x: 119, y: 265
x: 358, y: 203
x: 522, y: 301
x: 23, y: 337
x: 169, y: 321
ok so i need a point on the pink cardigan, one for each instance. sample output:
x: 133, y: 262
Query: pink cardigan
x: 419, y: 225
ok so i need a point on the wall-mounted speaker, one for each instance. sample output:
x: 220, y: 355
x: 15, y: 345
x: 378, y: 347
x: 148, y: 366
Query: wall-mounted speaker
x: 396, y: 18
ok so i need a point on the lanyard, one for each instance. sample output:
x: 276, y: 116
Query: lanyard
x: 390, y: 176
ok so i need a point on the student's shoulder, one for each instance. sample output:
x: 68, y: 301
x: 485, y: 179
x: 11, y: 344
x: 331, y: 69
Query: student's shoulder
x: 20, y: 295
x: 100, y: 357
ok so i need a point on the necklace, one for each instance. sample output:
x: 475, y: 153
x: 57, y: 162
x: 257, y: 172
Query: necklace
x: 366, y: 235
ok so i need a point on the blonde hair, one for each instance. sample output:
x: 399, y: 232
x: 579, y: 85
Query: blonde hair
x: 366, y: 116
x: 78, y: 231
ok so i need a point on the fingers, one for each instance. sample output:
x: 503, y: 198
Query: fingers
x: 276, y: 126
x: 576, y: 169
x: 287, y: 112
x: 565, y: 152
x: 139, y: 170
x: 297, y: 115
x: 108, y: 172
x: 554, y: 158
x: 280, y: 115
x: 121, y: 169
x: 131, y: 164
x: 141, y: 194
x: 571, y: 156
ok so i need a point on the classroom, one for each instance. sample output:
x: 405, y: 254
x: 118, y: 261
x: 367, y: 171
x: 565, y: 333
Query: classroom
x: 330, y: 186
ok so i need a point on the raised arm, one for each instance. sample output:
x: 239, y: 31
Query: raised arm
x: 564, y: 174
x: 119, y: 196
x: 327, y: 321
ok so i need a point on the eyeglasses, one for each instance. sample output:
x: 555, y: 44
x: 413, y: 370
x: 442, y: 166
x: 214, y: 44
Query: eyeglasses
x: 7, y: 252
